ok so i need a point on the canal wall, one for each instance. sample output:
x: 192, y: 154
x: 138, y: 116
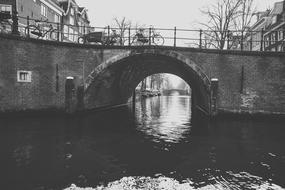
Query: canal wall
x: 248, y: 82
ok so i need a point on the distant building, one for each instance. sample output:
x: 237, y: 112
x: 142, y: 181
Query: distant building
x: 267, y: 33
x: 254, y: 34
x: 48, y: 10
x: 75, y: 20
x: 274, y: 34
x: 72, y: 19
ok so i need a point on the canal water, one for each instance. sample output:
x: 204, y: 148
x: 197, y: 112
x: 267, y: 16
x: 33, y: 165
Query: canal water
x: 155, y: 146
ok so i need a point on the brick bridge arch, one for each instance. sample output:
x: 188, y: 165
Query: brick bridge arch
x: 248, y: 82
x: 113, y: 81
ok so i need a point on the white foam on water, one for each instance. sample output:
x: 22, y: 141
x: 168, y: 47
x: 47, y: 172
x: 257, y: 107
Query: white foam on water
x: 165, y: 183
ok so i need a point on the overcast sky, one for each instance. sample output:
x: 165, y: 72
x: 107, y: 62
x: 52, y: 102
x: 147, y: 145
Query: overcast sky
x: 159, y: 13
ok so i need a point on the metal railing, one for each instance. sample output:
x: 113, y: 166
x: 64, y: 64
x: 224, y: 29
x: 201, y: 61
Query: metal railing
x: 139, y: 36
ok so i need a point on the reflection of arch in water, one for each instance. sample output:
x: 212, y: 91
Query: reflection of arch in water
x: 164, y: 118
x: 170, y: 92
x: 114, y: 80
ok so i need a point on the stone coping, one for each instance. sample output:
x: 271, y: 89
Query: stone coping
x: 90, y: 46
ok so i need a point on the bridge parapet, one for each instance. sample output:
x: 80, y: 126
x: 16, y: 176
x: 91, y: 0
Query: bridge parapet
x: 109, y: 36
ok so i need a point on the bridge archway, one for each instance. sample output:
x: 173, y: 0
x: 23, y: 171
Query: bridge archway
x: 113, y: 82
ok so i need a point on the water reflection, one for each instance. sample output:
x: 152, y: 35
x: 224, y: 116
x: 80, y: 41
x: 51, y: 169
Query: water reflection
x: 23, y: 155
x: 156, y: 142
x: 165, y: 118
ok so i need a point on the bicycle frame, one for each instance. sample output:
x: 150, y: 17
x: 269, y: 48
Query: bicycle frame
x: 112, y: 39
x: 152, y: 38
x: 5, y: 26
x: 39, y: 30
x: 5, y: 21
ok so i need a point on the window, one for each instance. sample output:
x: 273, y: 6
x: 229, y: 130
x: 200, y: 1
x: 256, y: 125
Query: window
x: 6, y: 8
x: 72, y: 11
x: 280, y: 35
x: 65, y: 30
x: 273, y: 39
x: 266, y: 39
x: 75, y: 38
x: 71, y: 20
x: 24, y: 76
x: 81, y: 28
x: 7, y: 14
x: 43, y: 10
x: 274, y: 19
x: 71, y: 36
x: 56, y: 18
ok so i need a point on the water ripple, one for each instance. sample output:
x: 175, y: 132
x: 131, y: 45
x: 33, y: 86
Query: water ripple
x: 164, y: 118
x: 237, y: 181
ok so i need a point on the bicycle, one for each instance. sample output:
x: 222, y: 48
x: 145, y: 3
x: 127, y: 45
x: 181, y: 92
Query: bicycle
x: 112, y: 39
x: 140, y: 38
x: 100, y: 38
x: 5, y: 22
x: 40, y: 29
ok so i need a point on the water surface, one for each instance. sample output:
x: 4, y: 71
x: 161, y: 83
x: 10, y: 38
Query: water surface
x: 156, y: 144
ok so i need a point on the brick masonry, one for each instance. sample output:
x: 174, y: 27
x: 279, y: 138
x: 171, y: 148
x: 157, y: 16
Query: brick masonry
x: 262, y: 83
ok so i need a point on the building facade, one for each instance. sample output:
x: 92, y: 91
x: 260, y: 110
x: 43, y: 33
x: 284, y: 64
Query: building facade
x: 254, y: 35
x: 66, y: 16
x: 27, y: 11
x: 75, y: 20
x: 274, y: 33
x: 268, y: 33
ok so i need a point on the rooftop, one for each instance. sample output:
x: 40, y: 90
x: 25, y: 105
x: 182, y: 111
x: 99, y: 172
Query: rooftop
x: 55, y: 1
x: 278, y: 8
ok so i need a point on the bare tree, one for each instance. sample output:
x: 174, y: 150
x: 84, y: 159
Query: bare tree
x: 225, y: 15
x: 122, y: 26
x: 157, y: 80
x: 143, y: 84
x: 245, y: 14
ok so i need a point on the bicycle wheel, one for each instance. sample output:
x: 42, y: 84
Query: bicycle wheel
x: 81, y: 40
x: 54, y: 35
x: 158, y: 40
x: 32, y: 31
x: 5, y: 27
x: 139, y: 41
x: 134, y: 40
x: 105, y: 41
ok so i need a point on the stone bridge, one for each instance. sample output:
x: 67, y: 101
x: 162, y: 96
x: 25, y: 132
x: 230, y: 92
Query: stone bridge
x: 251, y: 82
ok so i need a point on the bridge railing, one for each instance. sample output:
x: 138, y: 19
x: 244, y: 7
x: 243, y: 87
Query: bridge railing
x: 110, y: 36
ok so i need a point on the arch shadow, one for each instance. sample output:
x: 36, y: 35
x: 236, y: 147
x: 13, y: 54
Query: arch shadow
x: 113, y: 81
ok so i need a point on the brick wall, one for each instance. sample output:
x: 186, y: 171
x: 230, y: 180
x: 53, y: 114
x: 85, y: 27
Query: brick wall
x: 263, y: 79
x: 263, y: 88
